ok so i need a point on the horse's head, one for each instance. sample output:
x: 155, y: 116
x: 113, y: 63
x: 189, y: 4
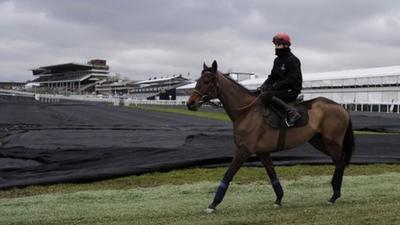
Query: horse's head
x: 206, y: 87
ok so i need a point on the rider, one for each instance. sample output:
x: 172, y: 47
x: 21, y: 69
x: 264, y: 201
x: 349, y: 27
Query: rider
x: 285, y: 81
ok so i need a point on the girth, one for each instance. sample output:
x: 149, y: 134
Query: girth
x: 275, y: 118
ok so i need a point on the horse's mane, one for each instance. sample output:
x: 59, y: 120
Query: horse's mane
x: 226, y: 75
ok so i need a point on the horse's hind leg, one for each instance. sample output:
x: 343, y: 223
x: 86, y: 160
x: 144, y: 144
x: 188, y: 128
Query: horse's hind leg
x: 337, y: 178
x: 240, y: 157
x: 266, y: 160
x: 334, y: 150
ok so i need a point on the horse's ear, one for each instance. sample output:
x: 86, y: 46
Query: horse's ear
x: 205, y: 66
x: 214, y: 67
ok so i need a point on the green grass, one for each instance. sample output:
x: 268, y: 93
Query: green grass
x: 371, y: 195
x: 245, y: 175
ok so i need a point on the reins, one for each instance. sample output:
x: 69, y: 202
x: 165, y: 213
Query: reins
x: 248, y: 105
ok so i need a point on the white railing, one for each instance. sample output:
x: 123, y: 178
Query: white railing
x: 47, y: 98
x: 57, y: 98
x: 14, y: 92
x: 129, y: 101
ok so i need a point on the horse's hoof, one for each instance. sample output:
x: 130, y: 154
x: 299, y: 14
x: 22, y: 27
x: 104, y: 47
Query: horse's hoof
x: 277, y: 205
x: 330, y: 202
x: 209, y: 210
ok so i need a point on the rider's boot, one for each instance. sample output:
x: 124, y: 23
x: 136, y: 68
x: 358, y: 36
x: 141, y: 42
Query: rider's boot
x: 292, y: 114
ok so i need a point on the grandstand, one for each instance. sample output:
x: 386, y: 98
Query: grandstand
x: 158, y: 88
x: 370, y: 89
x: 151, y: 89
x: 71, y: 78
x: 114, y: 87
x: 12, y: 85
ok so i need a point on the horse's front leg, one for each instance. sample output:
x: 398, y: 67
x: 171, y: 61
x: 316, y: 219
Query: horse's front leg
x: 240, y: 157
x: 266, y: 160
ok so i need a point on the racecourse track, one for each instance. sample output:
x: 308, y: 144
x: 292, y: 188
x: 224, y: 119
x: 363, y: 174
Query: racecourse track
x: 80, y: 142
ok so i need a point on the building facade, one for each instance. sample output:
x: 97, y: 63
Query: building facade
x: 71, y: 78
x: 370, y: 89
x: 151, y: 89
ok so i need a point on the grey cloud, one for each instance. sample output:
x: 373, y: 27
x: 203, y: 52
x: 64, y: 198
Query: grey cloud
x: 143, y: 38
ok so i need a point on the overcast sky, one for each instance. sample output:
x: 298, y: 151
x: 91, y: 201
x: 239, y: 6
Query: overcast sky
x: 142, y: 39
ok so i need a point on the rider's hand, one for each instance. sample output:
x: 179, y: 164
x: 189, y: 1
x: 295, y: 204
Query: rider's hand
x: 258, y: 90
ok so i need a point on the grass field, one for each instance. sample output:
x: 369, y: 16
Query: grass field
x: 371, y: 195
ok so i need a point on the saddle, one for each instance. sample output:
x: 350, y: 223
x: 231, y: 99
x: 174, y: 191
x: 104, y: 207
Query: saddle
x: 275, y: 118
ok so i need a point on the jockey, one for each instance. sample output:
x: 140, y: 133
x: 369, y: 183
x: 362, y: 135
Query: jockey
x: 285, y: 81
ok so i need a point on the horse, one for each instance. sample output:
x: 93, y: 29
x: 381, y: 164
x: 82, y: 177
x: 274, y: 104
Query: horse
x: 329, y: 130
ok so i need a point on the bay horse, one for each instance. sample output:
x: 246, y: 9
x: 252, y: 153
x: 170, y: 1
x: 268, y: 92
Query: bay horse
x: 329, y: 129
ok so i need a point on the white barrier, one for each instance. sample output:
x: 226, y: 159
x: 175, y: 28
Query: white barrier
x: 52, y: 98
x: 46, y: 98
x: 16, y: 93
x: 129, y: 101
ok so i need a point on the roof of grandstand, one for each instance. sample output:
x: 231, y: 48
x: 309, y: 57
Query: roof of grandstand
x: 60, y: 67
x: 341, y: 74
x: 187, y: 86
x: 355, y: 73
x: 161, y: 80
x: 71, y: 66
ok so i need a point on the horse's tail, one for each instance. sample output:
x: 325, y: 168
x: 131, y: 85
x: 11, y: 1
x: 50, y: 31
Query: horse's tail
x: 348, y: 143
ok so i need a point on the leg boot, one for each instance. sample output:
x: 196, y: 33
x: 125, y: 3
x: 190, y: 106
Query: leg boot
x: 292, y: 114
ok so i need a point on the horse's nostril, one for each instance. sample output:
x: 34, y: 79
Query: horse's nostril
x: 191, y: 106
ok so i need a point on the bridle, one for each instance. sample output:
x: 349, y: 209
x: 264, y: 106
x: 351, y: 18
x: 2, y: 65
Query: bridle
x: 202, y: 96
x: 205, y: 99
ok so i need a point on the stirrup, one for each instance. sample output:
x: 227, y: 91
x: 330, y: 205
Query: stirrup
x: 287, y: 123
x: 294, y: 122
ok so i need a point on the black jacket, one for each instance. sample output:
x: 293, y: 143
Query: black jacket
x: 285, y: 74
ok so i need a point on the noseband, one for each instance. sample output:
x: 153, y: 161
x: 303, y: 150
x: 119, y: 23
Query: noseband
x: 202, y: 96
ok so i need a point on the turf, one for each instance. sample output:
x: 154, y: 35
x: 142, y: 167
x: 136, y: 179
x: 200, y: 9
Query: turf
x: 188, y: 176
x: 366, y: 199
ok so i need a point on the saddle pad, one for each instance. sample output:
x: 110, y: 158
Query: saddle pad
x: 276, y: 118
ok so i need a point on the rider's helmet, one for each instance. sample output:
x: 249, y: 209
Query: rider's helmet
x: 281, y: 38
